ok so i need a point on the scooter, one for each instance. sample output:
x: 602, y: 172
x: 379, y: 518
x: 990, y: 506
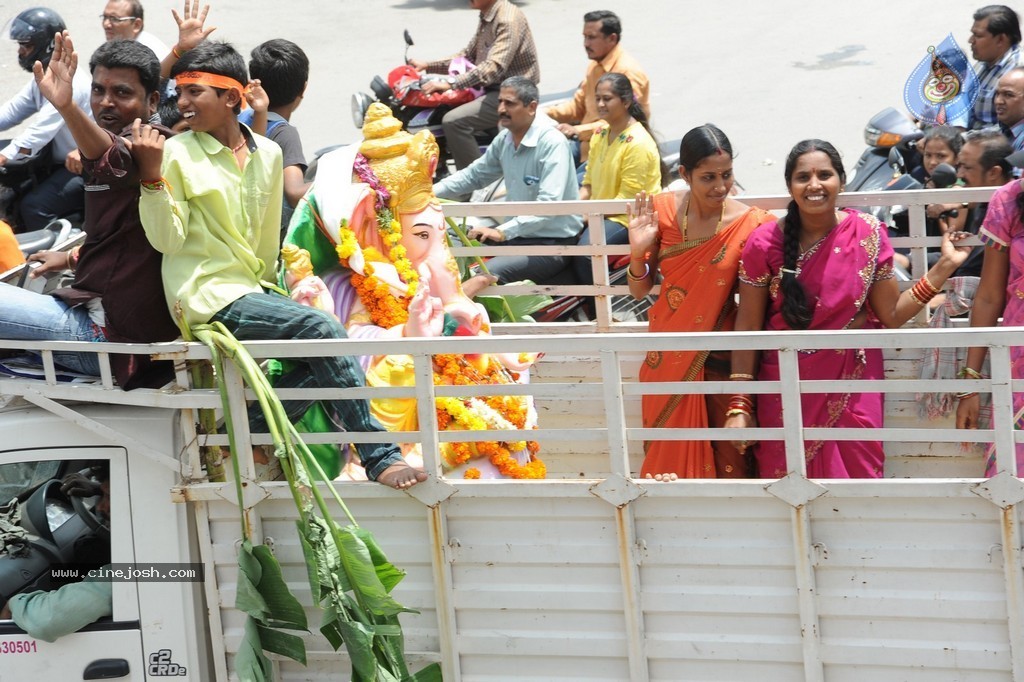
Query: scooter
x: 413, y: 118
x: 887, y: 130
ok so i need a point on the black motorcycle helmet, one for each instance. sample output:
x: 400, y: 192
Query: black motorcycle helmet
x: 35, y: 27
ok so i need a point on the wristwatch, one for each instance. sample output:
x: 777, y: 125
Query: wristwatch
x: 451, y: 80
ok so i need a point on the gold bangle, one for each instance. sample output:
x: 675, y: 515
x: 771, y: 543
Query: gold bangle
x: 638, y: 278
x: 737, y: 376
x: 174, y: 51
x: 972, y: 373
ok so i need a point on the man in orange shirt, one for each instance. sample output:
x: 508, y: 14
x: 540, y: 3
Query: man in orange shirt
x: 578, y: 117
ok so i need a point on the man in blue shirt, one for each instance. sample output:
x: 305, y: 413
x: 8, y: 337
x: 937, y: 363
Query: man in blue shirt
x: 536, y: 161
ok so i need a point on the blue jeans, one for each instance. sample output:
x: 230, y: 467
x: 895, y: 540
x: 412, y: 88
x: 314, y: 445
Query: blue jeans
x: 261, y: 317
x: 614, y: 233
x: 28, y: 316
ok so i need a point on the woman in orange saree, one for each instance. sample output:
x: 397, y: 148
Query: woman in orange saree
x: 694, y: 238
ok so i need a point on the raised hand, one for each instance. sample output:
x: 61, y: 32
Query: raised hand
x: 426, y: 315
x: 191, y: 28
x: 642, y: 226
x: 147, y: 147
x: 256, y: 97
x: 55, y: 81
x: 954, y: 252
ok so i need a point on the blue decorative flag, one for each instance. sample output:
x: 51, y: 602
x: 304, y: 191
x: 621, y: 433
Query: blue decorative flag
x: 943, y: 87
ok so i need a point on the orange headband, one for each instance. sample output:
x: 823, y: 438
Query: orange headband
x: 213, y: 80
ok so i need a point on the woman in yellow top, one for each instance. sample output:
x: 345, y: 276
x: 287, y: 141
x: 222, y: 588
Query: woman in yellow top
x: 623, y: 160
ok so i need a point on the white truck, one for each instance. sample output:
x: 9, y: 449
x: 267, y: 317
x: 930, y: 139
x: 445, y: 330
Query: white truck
x: 590, y: 574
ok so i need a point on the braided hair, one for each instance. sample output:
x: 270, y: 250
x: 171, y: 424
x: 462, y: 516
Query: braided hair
x: 795, y: 310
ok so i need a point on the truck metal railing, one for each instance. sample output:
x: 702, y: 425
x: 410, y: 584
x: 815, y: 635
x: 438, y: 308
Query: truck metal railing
x: 594, y: 211
x: 834, y: 553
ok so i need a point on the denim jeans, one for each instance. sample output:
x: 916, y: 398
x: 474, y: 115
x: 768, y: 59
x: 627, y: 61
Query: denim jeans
x: 260, y: 317
x: 28, y: 316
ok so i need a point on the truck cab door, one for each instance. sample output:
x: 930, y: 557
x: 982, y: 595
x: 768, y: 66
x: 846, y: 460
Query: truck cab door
x: 108, y: 649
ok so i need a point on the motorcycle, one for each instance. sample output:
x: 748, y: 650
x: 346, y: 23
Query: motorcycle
x: 18, y: 177
x: 887, y: 130
x: 412, y: 108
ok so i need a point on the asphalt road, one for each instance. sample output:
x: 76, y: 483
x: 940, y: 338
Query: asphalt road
x: 767, y: 73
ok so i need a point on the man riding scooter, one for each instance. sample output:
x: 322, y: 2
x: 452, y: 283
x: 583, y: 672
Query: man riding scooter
x: 62, y: 192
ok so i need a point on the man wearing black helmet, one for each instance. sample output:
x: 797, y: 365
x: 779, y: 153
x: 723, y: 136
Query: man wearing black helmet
x: 62, y: 192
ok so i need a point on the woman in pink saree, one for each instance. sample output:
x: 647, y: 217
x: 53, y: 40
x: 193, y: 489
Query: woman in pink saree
x: 819, y: 268
x: 1000, y: 293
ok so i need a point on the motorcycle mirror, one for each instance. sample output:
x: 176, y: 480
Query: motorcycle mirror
x: 408, y: 38
x: 943, y: 176
x: 896, y: 159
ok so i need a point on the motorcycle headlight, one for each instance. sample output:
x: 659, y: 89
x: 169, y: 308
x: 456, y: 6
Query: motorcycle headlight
x: 877, y: 138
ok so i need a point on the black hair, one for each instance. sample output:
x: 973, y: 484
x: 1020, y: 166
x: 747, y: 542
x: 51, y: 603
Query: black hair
x: 129, y: 54
x: 610, y: 22
x: 623, y: 89
x: 994, y: 150
x: 1001, y: 21
x: 795, y: 309
x: 700, y: 143
x: 168, y: 111
x: 526, y: 89
x: 950, y: 135
x: 214, y: 57
x: 282, y: 69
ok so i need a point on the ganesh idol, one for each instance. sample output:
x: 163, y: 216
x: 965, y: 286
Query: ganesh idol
x: 368, y: 244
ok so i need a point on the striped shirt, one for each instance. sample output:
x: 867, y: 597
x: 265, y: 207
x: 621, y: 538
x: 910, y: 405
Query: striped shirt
x: 989, y: 73
x: 502, y: 47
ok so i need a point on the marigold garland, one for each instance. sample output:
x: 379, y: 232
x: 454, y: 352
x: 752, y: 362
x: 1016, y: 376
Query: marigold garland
x: 479, y: 414
x: 388, y: 309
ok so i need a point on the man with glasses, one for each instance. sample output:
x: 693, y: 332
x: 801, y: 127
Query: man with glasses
x: 124, y: 19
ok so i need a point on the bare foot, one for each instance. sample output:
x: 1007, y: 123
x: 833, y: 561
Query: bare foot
x: 477, y: 283
x: 401, y: 476
x: 664, y: 478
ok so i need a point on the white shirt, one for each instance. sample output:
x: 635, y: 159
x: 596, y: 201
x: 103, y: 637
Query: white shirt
x: 152, y: 42
x: 47, y: 125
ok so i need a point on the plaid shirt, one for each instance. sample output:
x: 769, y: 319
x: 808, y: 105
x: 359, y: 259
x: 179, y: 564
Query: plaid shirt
x: 502, y: 47
x: 989, y: 73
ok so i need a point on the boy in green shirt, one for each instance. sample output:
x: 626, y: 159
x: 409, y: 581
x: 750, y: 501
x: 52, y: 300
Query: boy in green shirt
x: 211, y: 203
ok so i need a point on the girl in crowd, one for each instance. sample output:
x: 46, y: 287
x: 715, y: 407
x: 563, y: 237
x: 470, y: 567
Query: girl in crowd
x: 940, y: 144
x: 819, y: 268
x: 694, y: 238
x: 1000, y: 293
x: 623, y: 160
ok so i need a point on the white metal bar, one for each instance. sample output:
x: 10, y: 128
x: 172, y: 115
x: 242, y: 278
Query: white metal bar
x: 810, y: 631
x: 629, y: 570
x: 792, y: 413
x: 599, y: 269
x: 1002, y: 410
x: 441, y: 563
x: 618, y: 449
x: 211, y: 592
x: 426, y: 412
x: 1012, y: 557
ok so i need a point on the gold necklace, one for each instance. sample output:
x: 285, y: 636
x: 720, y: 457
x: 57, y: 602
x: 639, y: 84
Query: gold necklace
x: 686, y: 211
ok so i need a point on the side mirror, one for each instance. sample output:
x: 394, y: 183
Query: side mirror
x: 943, y: 176
x: 408, y: 38
x: 896, y: 160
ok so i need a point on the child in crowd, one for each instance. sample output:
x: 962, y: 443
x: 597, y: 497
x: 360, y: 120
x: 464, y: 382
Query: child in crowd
x: 211, y: 203
x: 282, y: 70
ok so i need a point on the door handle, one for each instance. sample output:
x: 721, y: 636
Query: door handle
x: 106, y: 669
